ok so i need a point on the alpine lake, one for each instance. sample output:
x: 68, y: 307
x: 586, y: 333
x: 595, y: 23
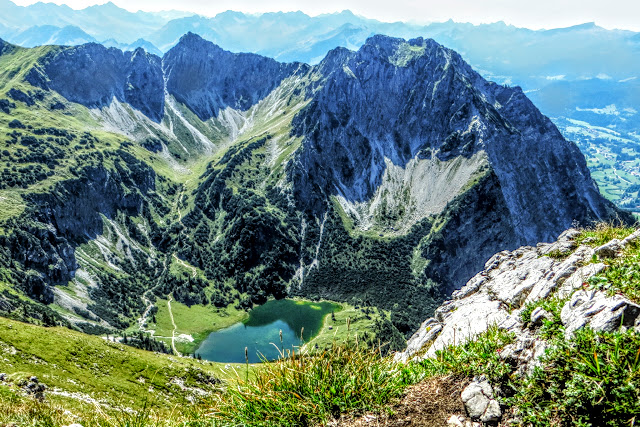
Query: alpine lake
x: 299, y: 322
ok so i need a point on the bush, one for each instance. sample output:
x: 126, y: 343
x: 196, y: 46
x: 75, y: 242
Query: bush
x: 16, y: 124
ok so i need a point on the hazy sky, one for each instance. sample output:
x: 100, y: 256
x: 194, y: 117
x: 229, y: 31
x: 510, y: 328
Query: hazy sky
x: 533, y: 14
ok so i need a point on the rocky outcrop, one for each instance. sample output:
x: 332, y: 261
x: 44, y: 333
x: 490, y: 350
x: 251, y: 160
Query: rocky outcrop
x: 497, y: 296
x: 598, y: 311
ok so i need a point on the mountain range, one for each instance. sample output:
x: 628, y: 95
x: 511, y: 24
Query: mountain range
x: 583, y: 77
x: 384, y: 176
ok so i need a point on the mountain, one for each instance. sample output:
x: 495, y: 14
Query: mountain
x: 140, y: 43
x: 381, y: 176
x: 299, y: 37
x: 550, y: 65
x: 52, y: 35
x: 100, y: 21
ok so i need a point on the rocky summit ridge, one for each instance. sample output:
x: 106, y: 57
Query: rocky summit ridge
x: 513, y: 281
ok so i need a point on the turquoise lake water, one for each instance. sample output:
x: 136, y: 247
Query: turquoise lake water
x: 261, y: 331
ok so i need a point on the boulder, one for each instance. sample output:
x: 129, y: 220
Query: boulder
x: 492, y: 413
x: 479, y: 401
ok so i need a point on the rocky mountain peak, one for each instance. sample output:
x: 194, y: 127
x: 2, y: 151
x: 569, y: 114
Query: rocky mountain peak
x: 207, y: 78
x: 396, y: 117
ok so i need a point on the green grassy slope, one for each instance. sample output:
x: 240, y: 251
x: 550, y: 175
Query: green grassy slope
x: 84, y: 372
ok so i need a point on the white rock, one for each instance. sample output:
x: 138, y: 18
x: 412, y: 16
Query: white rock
x: 576, y: 280
x: 467, y: 321
x: 455, y: 421
x: 601, y: 313
x: 565, y: 243
x: 510, y: 281
x: 631, y: 238
x: 476, y: 397
x: 492, y: 413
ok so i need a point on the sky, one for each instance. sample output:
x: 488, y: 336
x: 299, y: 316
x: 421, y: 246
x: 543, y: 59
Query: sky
x: 537, y: 14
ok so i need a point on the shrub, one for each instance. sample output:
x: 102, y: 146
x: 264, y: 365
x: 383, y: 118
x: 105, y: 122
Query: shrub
x: 16, y: 124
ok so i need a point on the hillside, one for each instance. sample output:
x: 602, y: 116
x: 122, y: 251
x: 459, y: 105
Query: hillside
x: 89, y: 378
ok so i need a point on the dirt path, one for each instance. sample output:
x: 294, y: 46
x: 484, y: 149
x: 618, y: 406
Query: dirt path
x: 185, y: 265
x: 149, y: 305
x: 615, y: 171
x: 173, y: 333
x: 430, y: 403
x: 145, y: 315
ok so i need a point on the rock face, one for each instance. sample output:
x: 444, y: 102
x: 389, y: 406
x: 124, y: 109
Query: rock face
x: 208, y: 79
x: 73, y: 212
x: 599, y: 312
x: 416, y: 106
x: 497, y: 295
x: 398, y: 129
x: 93, y: 75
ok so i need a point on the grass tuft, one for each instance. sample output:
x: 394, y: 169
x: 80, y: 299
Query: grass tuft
x: 312, y: 388
x: 591, y: 380
x: 550, y: 328
x: 478, y: 357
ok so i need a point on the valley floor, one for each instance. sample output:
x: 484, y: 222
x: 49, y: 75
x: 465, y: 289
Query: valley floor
x: 589, y: 375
